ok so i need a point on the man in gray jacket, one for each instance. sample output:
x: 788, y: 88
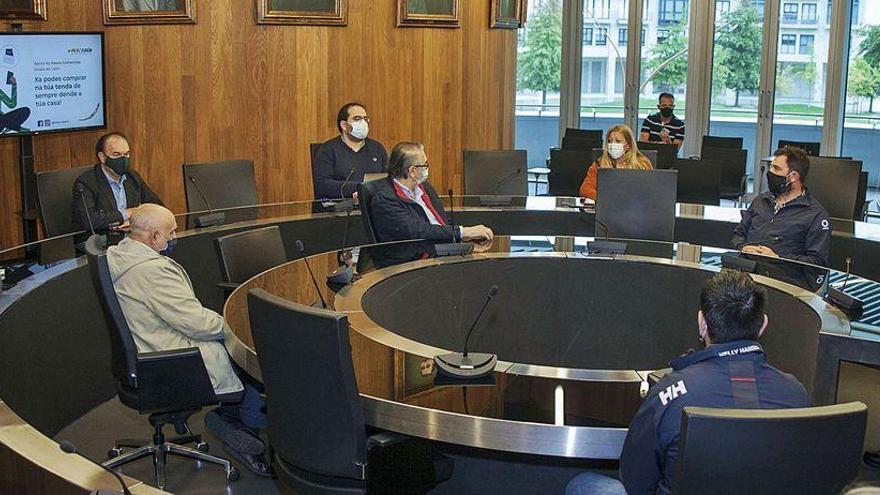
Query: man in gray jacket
x: 161, y: 309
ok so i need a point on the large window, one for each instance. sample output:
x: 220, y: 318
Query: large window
x: 806, y: 44
x: 789, y: 13
x: 588, y: 36
x: 736, y: 70
x: 861, y: 131
x: 664, y: 58
x: 603, y: 66
x: 809, y: 13
x: 788, y: 43
x: 539, y: 65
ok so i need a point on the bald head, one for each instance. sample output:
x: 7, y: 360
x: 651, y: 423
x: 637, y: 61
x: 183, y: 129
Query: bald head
x: 153, y: 225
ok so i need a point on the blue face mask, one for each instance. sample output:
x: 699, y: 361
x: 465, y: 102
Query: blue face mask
x: 169, y: 248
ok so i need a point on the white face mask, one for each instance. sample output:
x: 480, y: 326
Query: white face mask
x: 424, y: 176
x: 360, y: 129
x: 616, y: 150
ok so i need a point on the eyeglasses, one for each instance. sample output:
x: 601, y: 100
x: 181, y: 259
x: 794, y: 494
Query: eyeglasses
x: 424, y: 165
x: 359, y: 118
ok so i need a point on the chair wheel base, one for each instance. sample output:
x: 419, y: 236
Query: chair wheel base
x: 114, y: 452
x: 203, y: 446
x: 232, y: 474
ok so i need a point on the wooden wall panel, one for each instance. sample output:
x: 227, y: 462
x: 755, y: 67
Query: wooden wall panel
x: 227, y: 88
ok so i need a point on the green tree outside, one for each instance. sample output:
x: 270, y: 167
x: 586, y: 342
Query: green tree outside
x: 738, y: 52
x: 540, y: 64
x: 669, y: 58
x: 864, y: 81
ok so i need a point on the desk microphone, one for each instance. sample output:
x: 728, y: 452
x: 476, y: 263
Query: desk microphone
x: 342, y: 275
x: 495, y: 199
x: 464, y: 365
x: 344, y: 203
x: 211, y: 219
x: 302, y: 251
x: 69, y: 448
x: 82, y: 196
x: 451, y: 213
x: 853, y: 306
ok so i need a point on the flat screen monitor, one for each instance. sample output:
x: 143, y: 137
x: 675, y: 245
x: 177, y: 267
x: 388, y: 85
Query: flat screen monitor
x: 636, y: 204
x: 53, y: 82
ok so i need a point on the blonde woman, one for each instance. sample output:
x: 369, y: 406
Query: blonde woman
x: 620, y: 152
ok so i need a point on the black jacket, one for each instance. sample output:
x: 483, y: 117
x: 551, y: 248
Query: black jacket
x: 334, y: 160
x: 702, y: 379
x: 93, y: 189
x: 397, y: 218
x: 802, y: 226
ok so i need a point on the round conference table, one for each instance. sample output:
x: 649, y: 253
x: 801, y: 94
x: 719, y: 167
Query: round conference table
x: 55, y: 346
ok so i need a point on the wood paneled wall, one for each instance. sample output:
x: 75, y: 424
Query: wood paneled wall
x: 227, y: 88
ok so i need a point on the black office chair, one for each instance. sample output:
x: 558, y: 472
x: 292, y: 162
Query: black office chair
x: 316, y: 423
x: 220, y: 185
x: 567, y: 171
x: 245, y: 254
x: 366, y: 191
x: 592, y: 134
x: 733, y: 170
x: 835, y: 184
x: 54, y: 199
x: 495, y: 172
x: 170, y: 386
x: 721, y: 142
x: 581, y: 144
x: 699, y: 181
x: 763, y: 451
x: 666, y: 153
x: 811, y: 148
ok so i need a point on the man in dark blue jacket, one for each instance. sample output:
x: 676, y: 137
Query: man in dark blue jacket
x: 786, y: 221
x: 405, y: 207
x: 731, y: 372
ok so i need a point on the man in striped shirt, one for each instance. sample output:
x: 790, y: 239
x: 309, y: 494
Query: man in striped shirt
x: 663, y: 126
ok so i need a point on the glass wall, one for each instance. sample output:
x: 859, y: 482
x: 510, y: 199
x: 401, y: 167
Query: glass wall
x: 603, y: 62
x: 538, y: 74
x: 802, y: 57
x: 664, y: 55
x: 736, y: 71
x: 860, y: 132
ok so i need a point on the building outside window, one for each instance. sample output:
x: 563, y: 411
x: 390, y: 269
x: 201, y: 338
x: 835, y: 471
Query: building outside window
x: 808, y: 13
x: 588, y: 36
x: 789, y: 42
x: 672, y: 11
x: 602, y: 37
x: 662, y: 34
x: 806, y: 44
x: 789, y: 13
x: 621, y: 36
x: 722, y: 7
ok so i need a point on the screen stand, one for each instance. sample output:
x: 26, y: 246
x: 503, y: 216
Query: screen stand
x: 28, y: 188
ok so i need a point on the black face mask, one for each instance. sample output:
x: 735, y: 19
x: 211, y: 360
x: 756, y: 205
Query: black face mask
x: 777, y: 184
x: 666, y: 111
x: 118, y: 165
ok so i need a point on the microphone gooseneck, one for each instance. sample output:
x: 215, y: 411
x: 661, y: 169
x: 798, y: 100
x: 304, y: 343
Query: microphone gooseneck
x: 492, y: 293
x: 302, y: 251
x: 68, y: 448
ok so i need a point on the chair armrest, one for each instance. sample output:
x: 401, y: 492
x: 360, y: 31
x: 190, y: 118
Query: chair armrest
x: 385, y: 439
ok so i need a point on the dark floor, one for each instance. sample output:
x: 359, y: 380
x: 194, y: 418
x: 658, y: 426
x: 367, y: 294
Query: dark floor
x: 474, y: 474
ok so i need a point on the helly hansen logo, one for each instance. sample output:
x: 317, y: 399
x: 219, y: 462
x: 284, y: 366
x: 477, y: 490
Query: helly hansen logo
x: 672, y: 392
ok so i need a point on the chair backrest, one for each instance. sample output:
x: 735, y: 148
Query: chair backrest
x: 495, y: 172
x: 592, y: 134
x: 581, y: 144
x: 636, y: 204
x: 366, y: 191
x: 227, y: 184
x: 54, y: 199
x: 651, y: 155
x: 666, y: 153
x: 733, y: 169
x: 721, y: 142
x: 315, y: 418
x: 834, y: 183
x: 123, y: 350
x: 567, y: 171
x: 811, y: 148
x: 769, y: 451
x: 245, y: 254
x: 699, y: 181
x: 861, y: 197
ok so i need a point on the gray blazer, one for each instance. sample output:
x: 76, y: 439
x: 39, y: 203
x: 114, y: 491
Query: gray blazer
x: 161, y: 309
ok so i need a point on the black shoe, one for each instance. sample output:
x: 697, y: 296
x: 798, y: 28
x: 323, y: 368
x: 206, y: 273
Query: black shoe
x: 235, y: 437
x: 872, y: 459
x: 257, y: 464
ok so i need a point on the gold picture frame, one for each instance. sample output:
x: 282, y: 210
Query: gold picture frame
x: 507, y: 14
x: 428, y: 13
x: 129, y: 12
x: 34, y: 10
x: 303, y: 12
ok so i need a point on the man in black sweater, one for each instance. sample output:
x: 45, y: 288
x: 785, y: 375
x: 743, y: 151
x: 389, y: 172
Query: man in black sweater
x: 104, y: 197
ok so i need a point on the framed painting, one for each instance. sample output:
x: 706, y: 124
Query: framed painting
x: 507, y: 14
x: 149, y: 12
x: 303, y: 12
x: 428, y: 13
x: 23, y: 10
